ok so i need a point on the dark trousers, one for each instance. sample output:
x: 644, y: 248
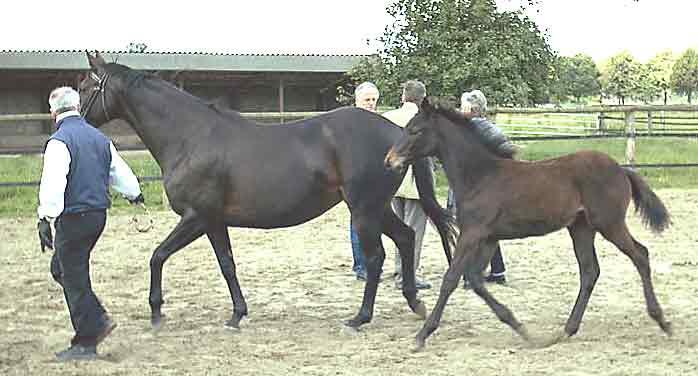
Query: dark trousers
x: 76, y: 235
x: 497, y: 262
x: 357, y: 252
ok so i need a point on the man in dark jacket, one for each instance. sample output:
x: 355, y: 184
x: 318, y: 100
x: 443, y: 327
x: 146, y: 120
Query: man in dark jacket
x: 80, y: 164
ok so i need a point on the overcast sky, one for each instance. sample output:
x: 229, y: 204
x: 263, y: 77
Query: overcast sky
x: 599, y: 28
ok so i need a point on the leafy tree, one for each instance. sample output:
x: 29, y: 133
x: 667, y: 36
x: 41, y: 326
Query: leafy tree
x: 137, y: 47
x: 660, y: 68
x: 684, y: 78
x: 458, y: 45
x: 576, y: 77
x: 646, y: 89
x: 620, y: 76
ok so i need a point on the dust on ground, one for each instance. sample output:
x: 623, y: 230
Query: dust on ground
x: 299, y: 289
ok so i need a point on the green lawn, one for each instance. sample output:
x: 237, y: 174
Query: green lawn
x: 16, y: 201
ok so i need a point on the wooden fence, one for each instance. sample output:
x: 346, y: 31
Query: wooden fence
x: 626, y: 122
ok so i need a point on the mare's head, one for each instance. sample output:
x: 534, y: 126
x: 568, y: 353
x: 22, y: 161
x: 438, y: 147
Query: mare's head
x: 99, y: 90
x: 438, y: 124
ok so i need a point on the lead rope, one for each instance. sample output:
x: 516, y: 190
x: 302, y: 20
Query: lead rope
x: 143, y: 222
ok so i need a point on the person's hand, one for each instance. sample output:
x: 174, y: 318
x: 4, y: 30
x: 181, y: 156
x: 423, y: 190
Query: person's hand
x: 138, y: 200
x: 45, y: 235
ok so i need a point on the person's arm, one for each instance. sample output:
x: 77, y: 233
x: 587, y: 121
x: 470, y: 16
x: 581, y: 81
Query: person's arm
x: 493, y: 133
x: 54, y: 178
x: 121, y: 178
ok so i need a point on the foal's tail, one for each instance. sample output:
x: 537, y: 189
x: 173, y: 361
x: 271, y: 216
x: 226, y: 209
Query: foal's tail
x: 654, y: 213
x: 441, y: 218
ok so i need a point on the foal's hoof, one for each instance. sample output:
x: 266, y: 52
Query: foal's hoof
x: 667, y: 328
x: 232, y: 324
x: 523, y: 332
x: 421, y: 310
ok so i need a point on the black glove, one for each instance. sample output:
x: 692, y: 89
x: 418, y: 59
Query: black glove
x: 45, y: 235
x: 138, y: 200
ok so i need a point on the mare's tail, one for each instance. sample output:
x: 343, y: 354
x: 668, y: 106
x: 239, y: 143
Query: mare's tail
x: 441, y: 218
x: 653, y: 212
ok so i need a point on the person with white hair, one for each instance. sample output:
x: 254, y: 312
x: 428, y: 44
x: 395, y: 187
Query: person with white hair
x: 474, y: 103
x: 406, y: 201
x: 80, y: 163
x: 365, y: 96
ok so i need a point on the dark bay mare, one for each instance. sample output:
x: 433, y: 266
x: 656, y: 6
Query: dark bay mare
x: 220, y: 170
x: 499, y: 198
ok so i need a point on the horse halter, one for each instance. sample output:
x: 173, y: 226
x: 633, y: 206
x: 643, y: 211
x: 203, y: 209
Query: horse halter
x: 96, y: 90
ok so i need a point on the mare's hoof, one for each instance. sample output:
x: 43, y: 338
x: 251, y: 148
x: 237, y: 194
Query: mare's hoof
x: 420, y: 342
x: 552, y: 340
x: 356, y: 322
x: 157, y: 322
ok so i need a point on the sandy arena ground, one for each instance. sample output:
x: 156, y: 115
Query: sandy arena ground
x: 299, y: 289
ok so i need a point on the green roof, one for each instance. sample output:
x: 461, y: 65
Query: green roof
x: 182, y: 61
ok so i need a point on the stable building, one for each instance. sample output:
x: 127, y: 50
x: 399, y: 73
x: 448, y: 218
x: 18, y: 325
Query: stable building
x: 244, y: 82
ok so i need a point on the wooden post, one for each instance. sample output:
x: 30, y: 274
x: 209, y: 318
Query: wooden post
x: 649, y: 122
x: 630, y: 144
x: 601, y: 123
x: 281, y: 99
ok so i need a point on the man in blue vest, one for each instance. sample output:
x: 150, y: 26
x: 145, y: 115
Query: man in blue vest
x: 80, y: 164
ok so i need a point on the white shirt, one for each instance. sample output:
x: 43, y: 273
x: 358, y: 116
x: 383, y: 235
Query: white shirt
x: 402, y: 116
x: 54, y: 176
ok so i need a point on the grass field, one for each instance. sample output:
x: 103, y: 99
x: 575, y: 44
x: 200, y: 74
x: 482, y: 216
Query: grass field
x: 22, y: 200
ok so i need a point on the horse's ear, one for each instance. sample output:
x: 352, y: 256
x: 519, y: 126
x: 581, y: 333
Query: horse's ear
x: 426, y: 105
x: 96, y: 62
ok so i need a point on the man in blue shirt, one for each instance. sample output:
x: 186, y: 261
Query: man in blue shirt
x: 80, y: 164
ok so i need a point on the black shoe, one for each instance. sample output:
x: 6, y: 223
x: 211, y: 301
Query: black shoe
x: 109, y: 325
x: 499, y: 279
x: 77, y: 352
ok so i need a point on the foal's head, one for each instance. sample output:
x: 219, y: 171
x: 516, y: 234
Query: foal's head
x: 419, y: 139
x: 439, y: 124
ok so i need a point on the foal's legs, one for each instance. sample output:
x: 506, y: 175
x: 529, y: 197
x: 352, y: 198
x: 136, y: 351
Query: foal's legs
x: 403, y: 236
x: 368, y: 228
x: 220, y: 240
x: 620, y: 236
x: 449, y: 283
x: 583, y: 240
x: 473, y: 269
x: 471, y: 256
x: 187, y: 230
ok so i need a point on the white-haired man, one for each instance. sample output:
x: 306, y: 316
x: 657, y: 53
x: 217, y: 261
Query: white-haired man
x: 80, y: 164
x: 365, y: 96
x: 406, y: 201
